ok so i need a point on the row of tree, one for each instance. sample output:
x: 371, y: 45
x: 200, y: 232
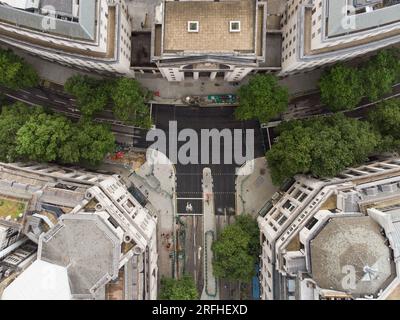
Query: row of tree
x: 125, y: 96
x: 342, y: 87
x: 15, y: 73
x: 34, y: 134
x: 324, y: 146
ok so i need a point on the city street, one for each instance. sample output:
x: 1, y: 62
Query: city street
x: 189, y: 176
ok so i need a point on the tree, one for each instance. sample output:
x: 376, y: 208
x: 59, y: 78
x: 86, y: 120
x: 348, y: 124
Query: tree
x: 233, y: 259
x: 43, y: 136
x: 15, y: 73
x: 182, y: 289
x: 247, y: 223
x: 262, y: 99
x: 322, y: 147
x: 94, y: 142
x: 380, y: 74
x: 130, y: 103
x: 341, y: 88
x: 12, y: 118
x: 386, y: 120
x: 92, y: 94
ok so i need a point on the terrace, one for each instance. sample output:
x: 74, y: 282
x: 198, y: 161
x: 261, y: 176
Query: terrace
x: 11, y: 208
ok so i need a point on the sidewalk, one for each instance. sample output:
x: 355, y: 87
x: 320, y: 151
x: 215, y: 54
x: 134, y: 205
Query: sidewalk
x: 254, y: 189
x: 171, y: 91
x: 210, y: 290
x: 157, y: 183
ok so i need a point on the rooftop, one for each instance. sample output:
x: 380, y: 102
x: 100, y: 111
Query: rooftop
x: 85, y: 29
x: 347, y: 242
x: 213, y: 19
x: 386, y: 14
x: 86, y: 247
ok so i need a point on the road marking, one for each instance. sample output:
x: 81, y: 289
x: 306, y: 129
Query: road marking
x: 19, y: 99
x: 24, y: 91
x: 42, y: 97
x: 60, y: 101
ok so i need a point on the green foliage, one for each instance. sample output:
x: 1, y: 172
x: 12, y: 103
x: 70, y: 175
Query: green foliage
x: 42, y: 136
x: 92, y: 94
x: 129, y: 103
x: 341, y: 88
x: 262, y: 99
x: 31, y: 133
x: 12, y: 118
x: 385, y: 119
x: 129, y: 99
x: 247, y: 223
x: 381, y: 73
x: 323, y: 147
x: 182, y: 289
x: 236, y: 250
x: 15, y: 73
x: 94, y: 142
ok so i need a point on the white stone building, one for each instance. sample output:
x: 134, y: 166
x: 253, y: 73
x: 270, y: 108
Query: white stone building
x: 91, y: 232
x: 321, y: 32
x: 93, y: 35
x: 333, y: 238
x: 208, y: 39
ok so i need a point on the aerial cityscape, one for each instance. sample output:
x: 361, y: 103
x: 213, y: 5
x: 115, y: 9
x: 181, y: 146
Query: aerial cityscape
x: 200, y: 150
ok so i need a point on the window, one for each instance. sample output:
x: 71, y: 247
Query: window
x: 234, y: 26
x: 193, y: 26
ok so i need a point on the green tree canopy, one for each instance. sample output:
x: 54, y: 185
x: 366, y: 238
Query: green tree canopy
x: 92, y: 94
x: 94, y: 141
x: 381, y: 73
x: 12, y: 118
x: 182, y: 289
x: 236, y: 250
x: 31, y: 133
x: 323, y: 147
x: 262, y: 99
x: 247, y: 223
x: 130, y: 103
x: 386, y: 120
x: 341, y: 88
x: 15, y: 73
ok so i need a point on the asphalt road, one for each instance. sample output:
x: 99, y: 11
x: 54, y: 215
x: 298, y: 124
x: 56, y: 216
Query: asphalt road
x: 189, y: 176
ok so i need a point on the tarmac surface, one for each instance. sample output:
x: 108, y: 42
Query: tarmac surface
x: 189, y: 176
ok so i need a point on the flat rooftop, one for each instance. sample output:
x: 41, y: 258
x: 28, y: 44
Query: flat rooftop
x: 84, y: 245
x: 363, y: 21
x: 214, y: 34
x: 63, y: 6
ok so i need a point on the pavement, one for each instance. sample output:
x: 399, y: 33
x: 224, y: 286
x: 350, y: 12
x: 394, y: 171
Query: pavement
x: 210, y: 290
x: 169, y: 92
x: 157, y: 183
x: 253, y: 189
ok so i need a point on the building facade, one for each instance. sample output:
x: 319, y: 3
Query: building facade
x: 93, y: 35
x: 333, y: 238
x: 89, y: 229
x: 322, y: 32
